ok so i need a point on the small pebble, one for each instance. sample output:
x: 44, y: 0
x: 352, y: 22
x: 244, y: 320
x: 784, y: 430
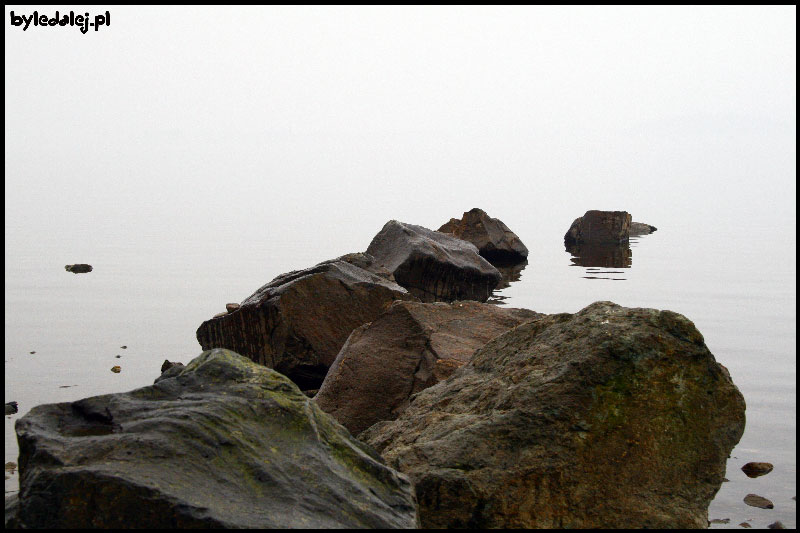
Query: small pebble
x: 757, y: 469
x: 116, y: 369
x: 33, y: 353
x: 124, y: 347
x: 776, y: 525
x: 117, y: 356
x: 754, y: 500
x: 745, y: 525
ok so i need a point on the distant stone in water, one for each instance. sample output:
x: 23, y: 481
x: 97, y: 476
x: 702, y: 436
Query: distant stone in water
x: 776, y: 525
x: 232, y: 307
x: 639, y: 228
x: 745, y: 525
x: 118, y: 356
x: 408, y: 348
x: 757, y: 469
x: 719, y: 521
x: 78, y: 268
x: 124, y: 347
x: 169, y: 364
x: 433, y: 266
x: 116, y: 369
x: 33, y: 353
x: 600, y: 227
x: 622, y: 410
x: 226, y: 443
x: 495, y: 242
x: 754, y: 500
x: 11, y: 408
x: 600, y: 255
x: 298, y: 322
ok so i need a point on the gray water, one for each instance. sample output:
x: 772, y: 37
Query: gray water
x: 192, y: 155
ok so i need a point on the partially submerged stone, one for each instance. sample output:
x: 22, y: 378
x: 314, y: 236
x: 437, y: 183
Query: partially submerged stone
x: 433, y: 266
x: 297, y: 323
x: 639, y: 228
x: 756, y: 469
x: 79, y: 268
x: 600, y: 227
x: 408, y: 348
x: 754, y: 500
x: 494, y: 240
x: 226, y: 443
x: 608, y: 418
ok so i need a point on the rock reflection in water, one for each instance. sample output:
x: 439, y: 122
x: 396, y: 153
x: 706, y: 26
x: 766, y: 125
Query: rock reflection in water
x: 510, y: 274
x: 595, y: 256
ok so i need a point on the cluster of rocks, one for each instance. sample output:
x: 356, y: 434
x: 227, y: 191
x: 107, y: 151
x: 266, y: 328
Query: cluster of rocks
x: 466, y: 414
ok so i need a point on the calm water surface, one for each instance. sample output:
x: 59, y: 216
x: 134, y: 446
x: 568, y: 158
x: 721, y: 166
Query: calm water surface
x: 150, y: 295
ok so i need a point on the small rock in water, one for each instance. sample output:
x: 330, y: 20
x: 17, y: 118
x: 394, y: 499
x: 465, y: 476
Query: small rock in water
x: 745, y: 525
x: 124, y: 347
x: 11, y: 408
x: 80, y: 268
x: 754, y: 500
x: 116, y: 369
x: 118, y: 356
x: 776, y: 525
x: 757, y: 469
x: 33, y: 352
x: 719, y: 521
x: 231, y: 307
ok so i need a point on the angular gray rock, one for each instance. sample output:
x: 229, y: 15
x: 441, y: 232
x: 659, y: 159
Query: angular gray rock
x: 494, y: 240
x: 608, y: 418
x: 297, y: 323
x: 408, y: 348
x: 433, y: 266
x: 225, y: 443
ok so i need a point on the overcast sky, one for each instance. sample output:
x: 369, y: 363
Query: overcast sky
x: 321, y: 123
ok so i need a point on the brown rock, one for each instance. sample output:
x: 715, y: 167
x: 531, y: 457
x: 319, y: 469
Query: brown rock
x: 754, y: 500
x: 600, y: 227
x: 232, y: 307
x: 757, y: 469
x: 297, y: 323
x: 116, y: 369
x: 408, y: 348
x: 608, y: 418
x: 776, y: 525
x: 745, y: 525
x: 433, y: 266
x: 495, y: 242
x: 169, y: 364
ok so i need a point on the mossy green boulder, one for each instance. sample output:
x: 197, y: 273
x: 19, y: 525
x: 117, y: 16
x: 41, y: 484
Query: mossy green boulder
x: 220, y: 443
x: 608, y: 418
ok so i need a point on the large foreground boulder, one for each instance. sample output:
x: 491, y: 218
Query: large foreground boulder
x: 410, y: 347
x: 297, y: 323
x: 495, y: 242
x: 433, y: 266
x: 608, y: 418
x: 224, y: 443
x: 600, y: 227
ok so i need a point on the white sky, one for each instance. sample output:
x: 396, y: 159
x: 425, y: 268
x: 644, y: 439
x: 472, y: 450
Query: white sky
x: 321, y: 123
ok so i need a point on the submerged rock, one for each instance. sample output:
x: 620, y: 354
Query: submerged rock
x: 78, y: 268
x: 408, y: 348
x: 754, y: 500
x: 600, y: 227
x: 608, y: 418
x: 495, y: 242
x: 757, y: 469
x: 433, y: 266
x: 297, y: 323
x: 226, y: 443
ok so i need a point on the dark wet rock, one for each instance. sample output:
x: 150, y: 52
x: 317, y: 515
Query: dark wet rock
x: 410, y: 347
x: 232, y: 307
x: 745, y: 525
x: 116, y: 369
x: 622, y: 410
x: 124, y: 347
x: 757, y: 469
x: 495, y: 242
x: 33, y: 353
x: 600, y: 255
x: 297, y: 323
x: 776, y: 525
x: 719, y: 521
x: 754, y: 500
x: 510, y: 274
x: 167, y: 364
x: 226, y: 443
x: 433, y: 266
x: 12, y: 511
x: 78, y: 268
x: 600, y: 227
x: 118, y: 357
x: 11, y: 408
x: 639, y: 228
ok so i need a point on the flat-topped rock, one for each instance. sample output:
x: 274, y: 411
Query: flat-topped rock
x: 408, y: 348
x: 609, y: 418
x: 224, y: 443
x: 299, y: 321
x: 494, y: 240
x: 433, y: 266
x: 600, y: 227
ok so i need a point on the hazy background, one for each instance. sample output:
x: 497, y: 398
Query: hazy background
x: 193, y: 154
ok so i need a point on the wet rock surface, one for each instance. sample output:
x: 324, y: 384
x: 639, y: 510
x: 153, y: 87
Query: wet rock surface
x: 80, y: 268
x: 757, y: 469
x: 433, y: 266
x: 408, y: 348
x: 623, y: 410
x: 754, y: 500
x: 600, y: 227
x: 494, y: 240
x: 298, y: 322
x: 225, y: 443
